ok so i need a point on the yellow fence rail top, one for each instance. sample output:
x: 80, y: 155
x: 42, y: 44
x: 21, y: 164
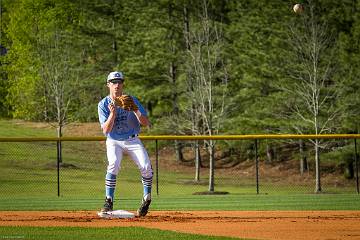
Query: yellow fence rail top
x: 188, y: 137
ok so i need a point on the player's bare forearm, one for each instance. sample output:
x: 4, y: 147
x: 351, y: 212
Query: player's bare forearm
x: 109, y: 124
x: 143, y: 120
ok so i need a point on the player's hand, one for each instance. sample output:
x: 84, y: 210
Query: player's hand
x: 112, y: 108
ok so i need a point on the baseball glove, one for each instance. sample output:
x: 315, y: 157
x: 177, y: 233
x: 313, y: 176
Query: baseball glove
x: 126, y: 102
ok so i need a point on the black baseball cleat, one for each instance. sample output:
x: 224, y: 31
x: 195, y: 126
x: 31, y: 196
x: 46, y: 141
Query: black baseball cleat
x: 144, y: 208
x: 108, y: 206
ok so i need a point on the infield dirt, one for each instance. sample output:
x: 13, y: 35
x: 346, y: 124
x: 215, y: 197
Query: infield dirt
x: 296, y: 225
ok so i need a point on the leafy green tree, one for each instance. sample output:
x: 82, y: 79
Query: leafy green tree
x: 38, y: 31
x: 349, y: 68
x: 22, y: 31
x: 152, y: 55
x: 255, y: 33
x: 99, y: 34
x: 3, y: 52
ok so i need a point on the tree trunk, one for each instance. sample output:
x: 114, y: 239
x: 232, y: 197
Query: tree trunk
x: 317, y: 167
x: 114, y: 43
x: 211, y: 166
x: 197, y: 161
x: 114, y: 33
x: 150, y: 108
x: 303, y: 159
x: 270, y: 153
x: 172, y: 73
x: 178, y: 151
x: 59, y: 145
x: 349, y: 169
x: 172, y: 63
x: 186, y: 27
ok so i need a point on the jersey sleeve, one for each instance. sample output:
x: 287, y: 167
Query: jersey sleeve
x: 141, y: 108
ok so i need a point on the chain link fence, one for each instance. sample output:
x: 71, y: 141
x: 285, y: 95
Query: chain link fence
x: 31, y: 171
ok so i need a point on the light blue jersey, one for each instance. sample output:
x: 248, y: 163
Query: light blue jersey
x: 126, y: 123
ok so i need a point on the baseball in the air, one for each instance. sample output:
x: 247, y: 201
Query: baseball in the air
x: 298, y: 8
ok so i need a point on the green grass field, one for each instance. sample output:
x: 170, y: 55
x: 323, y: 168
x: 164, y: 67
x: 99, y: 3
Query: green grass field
x: 111, y: 233
x: 228, y: 202
x: 28, y: 181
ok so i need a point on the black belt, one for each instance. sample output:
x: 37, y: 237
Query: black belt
x: 133, y: 136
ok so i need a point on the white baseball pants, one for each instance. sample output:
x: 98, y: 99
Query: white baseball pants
x: 135, y: 149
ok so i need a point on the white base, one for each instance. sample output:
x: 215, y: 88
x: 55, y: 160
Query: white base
x: 116, y: 214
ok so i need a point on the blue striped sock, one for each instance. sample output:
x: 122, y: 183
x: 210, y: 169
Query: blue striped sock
x: 110, y: 184
x: 147, y: 183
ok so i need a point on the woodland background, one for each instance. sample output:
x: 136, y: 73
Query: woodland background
x: 202, y: 67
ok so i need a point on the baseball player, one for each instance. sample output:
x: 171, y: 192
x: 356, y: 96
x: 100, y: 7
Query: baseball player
x: 120, y: 118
